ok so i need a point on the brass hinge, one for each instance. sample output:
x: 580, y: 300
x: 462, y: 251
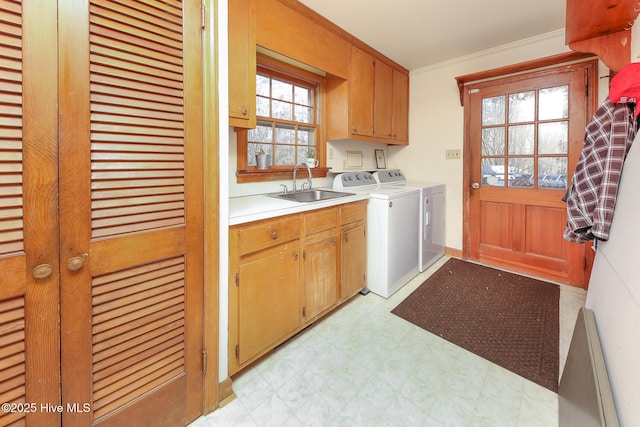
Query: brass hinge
x: 304, y: 255
x: 238, y: 352
x: 204, y: 362
x: 586, y: 83
x: 304, y: 311
x: 237, y: 279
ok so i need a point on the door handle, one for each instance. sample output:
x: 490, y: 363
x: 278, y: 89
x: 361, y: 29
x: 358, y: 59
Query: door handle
x: 42, y: 271
x: 475, y: 185
x: 76, y: 263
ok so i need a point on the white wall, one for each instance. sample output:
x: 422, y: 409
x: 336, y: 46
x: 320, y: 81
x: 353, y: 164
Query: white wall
x: 436, y: 120
x: 614, y: 289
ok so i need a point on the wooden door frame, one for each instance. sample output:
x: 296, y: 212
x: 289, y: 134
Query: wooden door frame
x: 211, y: 202
x: 526, y: 70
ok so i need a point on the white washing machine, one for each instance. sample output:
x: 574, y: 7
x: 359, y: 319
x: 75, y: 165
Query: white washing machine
x: 431, y: 211
x: 392, y: 231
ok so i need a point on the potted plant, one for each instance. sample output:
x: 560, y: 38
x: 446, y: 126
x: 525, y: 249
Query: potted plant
x: 312, y: 162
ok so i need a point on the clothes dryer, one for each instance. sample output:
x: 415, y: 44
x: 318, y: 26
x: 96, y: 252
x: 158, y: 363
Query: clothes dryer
x: 431, y: 214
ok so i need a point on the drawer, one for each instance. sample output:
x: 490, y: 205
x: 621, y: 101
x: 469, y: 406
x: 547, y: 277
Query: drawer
x: 266, y: 234
x: 316, y: 222
x: 353, y: 212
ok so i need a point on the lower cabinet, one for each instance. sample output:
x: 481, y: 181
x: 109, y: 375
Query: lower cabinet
x: 286, y: 272
x: 268, y: 298
x: 353, y: 261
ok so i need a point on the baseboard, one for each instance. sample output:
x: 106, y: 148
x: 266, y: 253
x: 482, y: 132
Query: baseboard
x: 453, y: 253
x: 225, y: 393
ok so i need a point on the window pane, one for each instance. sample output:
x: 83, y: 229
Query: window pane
x: 493, y: 172
x: 493, y: 111
x: 284, y: 155
x: 305, y: 136
x: 554, y: 103
x: 521, y: 139
x: 282, y: 90
x: 302, y: 154
x: 262, y: 133
x: 522, y: 107
x: 302, y: 95
x: 262, y: 107
x: 285, y: 134
x: 282, y: 110
x: 552, y: 172
x: 262, y: 85
x: 521, y: 172
x: 493, y: 141
x: 553, y: 138
x: 253, y: 149
x: 303, y: 114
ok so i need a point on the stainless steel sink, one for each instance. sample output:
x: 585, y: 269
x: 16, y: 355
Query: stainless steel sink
x: 313, y: 195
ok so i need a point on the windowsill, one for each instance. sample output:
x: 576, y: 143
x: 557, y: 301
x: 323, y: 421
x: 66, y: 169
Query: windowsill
x: 255, y: 175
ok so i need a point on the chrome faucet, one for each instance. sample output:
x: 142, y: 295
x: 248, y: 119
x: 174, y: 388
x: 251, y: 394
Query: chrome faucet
x: 295, y: 171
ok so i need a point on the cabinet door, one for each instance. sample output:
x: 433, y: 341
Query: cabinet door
x: 242, y: 64
x: 29, y: 268
x: 400, y: 107
x: 320, y: 276
x: 383, y: 100
x: 362, y: 92
x: 353, y: 261
x: 268, y: 300
x: 130, y: 211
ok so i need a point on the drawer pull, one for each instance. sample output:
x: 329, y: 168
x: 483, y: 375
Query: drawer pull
x: 295, y: 256
x: 274, y: 235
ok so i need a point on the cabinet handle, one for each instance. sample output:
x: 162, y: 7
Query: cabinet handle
x: 295, y: 256
x: 244, y: 111
x: 274, y: 235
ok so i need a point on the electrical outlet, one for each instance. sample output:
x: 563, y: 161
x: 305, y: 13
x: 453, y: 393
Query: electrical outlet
x: 452, y: 154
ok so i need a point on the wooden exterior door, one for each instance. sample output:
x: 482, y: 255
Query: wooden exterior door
x: 524, y: 136
x: 29, y: 272
x: 101, y: 220
x: 131, y: 215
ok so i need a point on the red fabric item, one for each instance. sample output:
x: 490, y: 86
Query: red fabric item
x: 626, y: 84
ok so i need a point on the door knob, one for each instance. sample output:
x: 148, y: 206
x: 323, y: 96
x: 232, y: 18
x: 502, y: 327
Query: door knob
x: 76, y: 263
x: 42, y: 271
x: 475, y: 185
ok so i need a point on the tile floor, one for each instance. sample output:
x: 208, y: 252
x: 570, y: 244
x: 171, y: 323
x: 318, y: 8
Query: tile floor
x: 363, y: 366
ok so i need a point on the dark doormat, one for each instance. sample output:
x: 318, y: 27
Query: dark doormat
x: 508, y: 319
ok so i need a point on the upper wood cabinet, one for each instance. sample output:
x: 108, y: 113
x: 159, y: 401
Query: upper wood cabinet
x: 371, y: 105
x: 361, y: 96
x: 400, y: 123
x: 242, y: 64
x: 602, y: 27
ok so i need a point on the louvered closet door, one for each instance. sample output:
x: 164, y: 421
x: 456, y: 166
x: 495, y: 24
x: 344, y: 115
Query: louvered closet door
x: 29, y: 333
x: 130, y: 211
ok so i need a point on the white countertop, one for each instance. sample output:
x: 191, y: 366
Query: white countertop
x: 245, y: 209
